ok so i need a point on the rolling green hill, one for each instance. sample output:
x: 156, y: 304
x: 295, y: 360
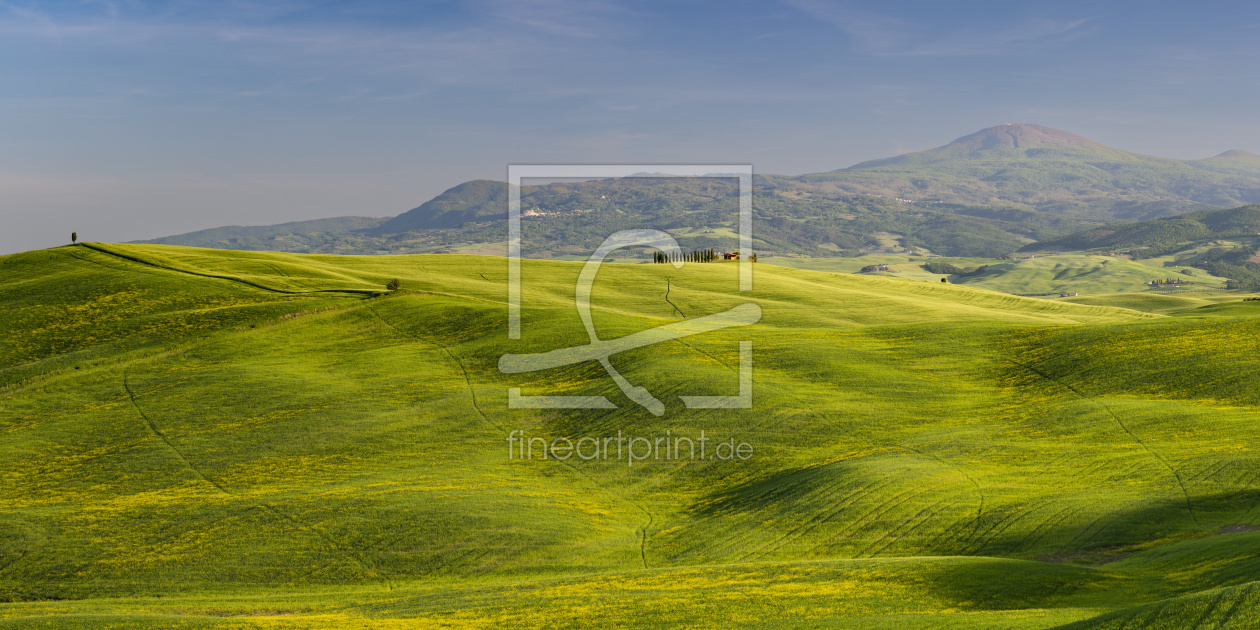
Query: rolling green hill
x: 297, y: 235
x: 213, y: 439
x: 1160, y: 236
x: 1158, y: 303
x: 1042, y: 275
x: 1221, y: 242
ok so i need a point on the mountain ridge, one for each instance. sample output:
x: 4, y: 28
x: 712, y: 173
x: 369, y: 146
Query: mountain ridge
x: 1008, y: 136
x: 992, y: 190
x: 1050, y: 170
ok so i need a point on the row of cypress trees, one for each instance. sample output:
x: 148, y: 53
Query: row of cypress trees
x: 699, y: 255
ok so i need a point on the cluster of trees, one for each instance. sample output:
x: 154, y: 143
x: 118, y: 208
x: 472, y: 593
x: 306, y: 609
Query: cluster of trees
x: 943, y: 268
x: 701, y: 255
x: 1160, y: 237
x: 1232, y: 263
x: 946, y: 269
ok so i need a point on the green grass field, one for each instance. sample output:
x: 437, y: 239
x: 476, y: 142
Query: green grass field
x: 1055, y: 273
x: 211, y: 439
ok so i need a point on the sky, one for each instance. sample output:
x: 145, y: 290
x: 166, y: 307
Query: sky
x: 131, y: 120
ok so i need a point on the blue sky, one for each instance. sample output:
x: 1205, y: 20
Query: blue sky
x: 128, y: 120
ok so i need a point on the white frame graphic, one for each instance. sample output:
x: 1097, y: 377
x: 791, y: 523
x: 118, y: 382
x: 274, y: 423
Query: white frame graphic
x: 522, y: 363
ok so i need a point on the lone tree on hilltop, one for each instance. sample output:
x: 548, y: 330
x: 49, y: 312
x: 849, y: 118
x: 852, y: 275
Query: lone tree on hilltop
x: 394, y: 285
x: 74, y: 237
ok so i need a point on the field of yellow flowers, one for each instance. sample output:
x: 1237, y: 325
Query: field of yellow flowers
x: 211, y: 439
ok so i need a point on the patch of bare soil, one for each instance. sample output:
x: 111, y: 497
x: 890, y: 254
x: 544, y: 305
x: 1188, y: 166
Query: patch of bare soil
x: 1238, y: 529
x: 1091, y: 558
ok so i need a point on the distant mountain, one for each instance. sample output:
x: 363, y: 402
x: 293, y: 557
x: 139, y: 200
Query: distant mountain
x: 1162, y: 234
x: 571, y: 218
x: 281, y: 237
x: 1223, y: 242
x: 985, y: 194
x: 1049, y: 170
x: 1237, y: 153
x: 477, y: 200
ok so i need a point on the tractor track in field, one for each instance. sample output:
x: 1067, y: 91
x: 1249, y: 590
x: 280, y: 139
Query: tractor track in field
x: 642, y: 531
x: 762, y: 498
x: 472, y: 392
x: 1216, y: 602
x: 1256, y: 503
x: 708, y: 354
x: 1242, y: 597
x: 256, y: 285
x: 879, y: 512
x: 979, y: 491
x: 846, y: 488
x: 1028, y: 542
x: 1009, y: 521
x: 767, y: 497
x: 950, y: 538
x: 823, y: 516
x: 131, y: 395
x: 1116, y: 418
x: 1084, y: 543
x: 1211, y: 470
x: 1069, y: 546
x: 257, y: 504
x: 676, y: 309
x: 918, y: 520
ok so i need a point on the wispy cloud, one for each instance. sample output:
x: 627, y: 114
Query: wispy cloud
x: 873, y: 33
x: 564, y: 18
x: 486, y: 42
